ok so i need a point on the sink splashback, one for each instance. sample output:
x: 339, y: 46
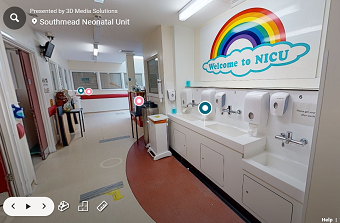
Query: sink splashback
x: 276, y: 125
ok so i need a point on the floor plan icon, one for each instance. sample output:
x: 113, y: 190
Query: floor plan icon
x: 84, y: 206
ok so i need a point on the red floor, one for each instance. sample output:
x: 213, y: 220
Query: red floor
x: 168, y: 192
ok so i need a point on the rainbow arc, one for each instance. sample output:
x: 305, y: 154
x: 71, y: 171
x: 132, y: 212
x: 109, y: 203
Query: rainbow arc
x: 257, y: 25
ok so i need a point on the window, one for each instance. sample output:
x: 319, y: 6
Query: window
x: 152, y: 65
x: 53, y: 70
x: 138, y: 77
x: 61, y: 78
x: 111, y: 80
x: 67, y: 80
x: 85, y: 80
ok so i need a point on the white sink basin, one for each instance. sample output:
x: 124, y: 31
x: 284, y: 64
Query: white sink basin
x: 292, y: 169
x: 228, y: 130
x: 286, y: 175
x: 189, y: 117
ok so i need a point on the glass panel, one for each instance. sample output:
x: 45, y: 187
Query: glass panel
x: 111, y: 80
x: 53, y: 74
x: 126, y: 81
x: 139, y: 79
x: 61, y: 79
x: 66, y: 80
x: 152, y: 66
x: 85, y: 80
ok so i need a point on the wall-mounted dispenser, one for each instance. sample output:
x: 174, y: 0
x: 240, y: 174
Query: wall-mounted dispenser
x: 209, y: 95
x: 279, y: 103
x: 160, y: 94
x: 186, y: 97
x: 220, y: 99
x: 256, y: 109
x: 171, y: 94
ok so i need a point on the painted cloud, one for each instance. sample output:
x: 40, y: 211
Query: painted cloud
x: 241, y: 62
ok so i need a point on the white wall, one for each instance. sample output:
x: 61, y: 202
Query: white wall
x: 96, y: 66
x: 322, y: 195
x: 184, y: 64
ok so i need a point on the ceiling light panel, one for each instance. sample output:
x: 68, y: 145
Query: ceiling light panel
x: 99, y: 1
x: 191, y: 8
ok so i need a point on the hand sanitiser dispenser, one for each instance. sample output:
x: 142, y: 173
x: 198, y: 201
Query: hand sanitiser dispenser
x: 279, y: 103
x: 220, y: 99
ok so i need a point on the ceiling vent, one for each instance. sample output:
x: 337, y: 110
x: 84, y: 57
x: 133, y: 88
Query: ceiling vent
x: 234, y: 3
x: 126, y: 51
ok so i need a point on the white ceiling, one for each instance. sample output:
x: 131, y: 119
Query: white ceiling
x: 76, y: 42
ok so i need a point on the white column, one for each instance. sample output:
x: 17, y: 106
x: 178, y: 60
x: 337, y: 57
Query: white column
x: 98, y: 81
x: 323, y: 183
x: 130, y: 70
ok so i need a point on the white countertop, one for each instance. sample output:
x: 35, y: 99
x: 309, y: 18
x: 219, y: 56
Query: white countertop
x: 242, y: 144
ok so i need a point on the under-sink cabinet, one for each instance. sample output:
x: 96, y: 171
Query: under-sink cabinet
x: 221, y: 164
x: 267, y: 203
x: 180, y: 142
x: 212, y: 164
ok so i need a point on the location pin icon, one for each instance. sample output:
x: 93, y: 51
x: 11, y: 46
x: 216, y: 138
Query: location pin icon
x: 34, y: 21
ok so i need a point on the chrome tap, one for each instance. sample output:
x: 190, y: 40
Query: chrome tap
x: 287, y: 138
x: 230, y: 111
x: 193, y: 104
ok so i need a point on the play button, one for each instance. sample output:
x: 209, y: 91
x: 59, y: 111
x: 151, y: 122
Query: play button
x: 28, y: 206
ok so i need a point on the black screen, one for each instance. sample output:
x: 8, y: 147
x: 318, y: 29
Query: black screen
x: 48, y: 49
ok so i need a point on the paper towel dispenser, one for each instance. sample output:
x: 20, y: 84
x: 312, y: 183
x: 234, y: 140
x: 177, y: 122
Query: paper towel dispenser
x: 256, y: 108
x: 186, y: 97
x: 209, y: 95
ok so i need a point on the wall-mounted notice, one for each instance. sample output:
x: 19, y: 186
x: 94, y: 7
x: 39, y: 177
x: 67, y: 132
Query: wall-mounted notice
x: 304, y: 113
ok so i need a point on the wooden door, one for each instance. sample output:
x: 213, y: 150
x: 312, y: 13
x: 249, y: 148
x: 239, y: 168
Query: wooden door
x: 33, y: 98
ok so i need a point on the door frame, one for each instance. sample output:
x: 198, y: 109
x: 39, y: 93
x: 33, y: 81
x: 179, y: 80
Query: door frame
x: 7, y: 165
x: 51, y: 148
x: 10, y: 136
x: 31, y: 89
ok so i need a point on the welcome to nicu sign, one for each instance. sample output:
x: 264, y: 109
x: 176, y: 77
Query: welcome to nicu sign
x: 265, y: 31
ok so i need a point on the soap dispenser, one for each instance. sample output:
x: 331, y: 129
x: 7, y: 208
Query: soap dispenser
x: 279, y: 103
x: 220, y: 99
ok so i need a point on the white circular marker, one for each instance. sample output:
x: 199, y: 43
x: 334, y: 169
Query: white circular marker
x: 205, y: 108
x: 88, y: 91
x: 102, y: 164
x: 139, y: 101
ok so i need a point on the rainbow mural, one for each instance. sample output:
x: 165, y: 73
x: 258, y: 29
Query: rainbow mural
x: 258, y: 25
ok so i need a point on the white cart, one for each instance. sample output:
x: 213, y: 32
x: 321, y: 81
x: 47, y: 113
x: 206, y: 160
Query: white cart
x: 158, y: 146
